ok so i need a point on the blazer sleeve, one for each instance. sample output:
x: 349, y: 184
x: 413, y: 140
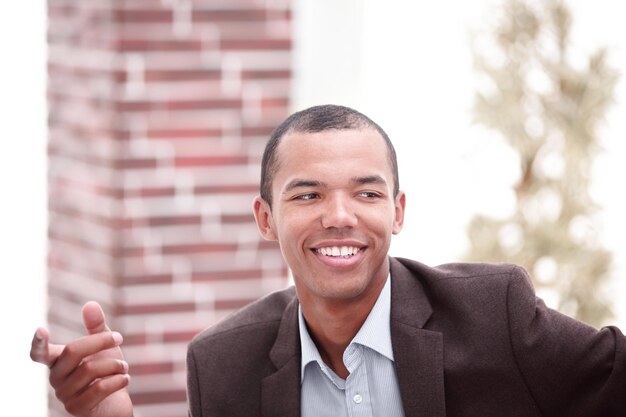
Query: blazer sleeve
x: 569, y: 367
x: 193, y: 391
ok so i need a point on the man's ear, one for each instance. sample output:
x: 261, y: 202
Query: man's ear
x: 263, y: 217
x: 400, y: 205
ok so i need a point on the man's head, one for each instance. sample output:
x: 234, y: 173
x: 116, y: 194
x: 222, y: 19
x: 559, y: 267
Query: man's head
x: 318, y: 119
x: 331, y: 177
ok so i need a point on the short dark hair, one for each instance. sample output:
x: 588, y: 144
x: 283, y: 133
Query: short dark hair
x: 318, y: 119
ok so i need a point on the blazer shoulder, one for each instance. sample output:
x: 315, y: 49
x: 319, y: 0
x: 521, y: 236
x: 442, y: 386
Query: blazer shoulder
x: 468, y: 281
x: 266, y: 311
x: 463, y: 270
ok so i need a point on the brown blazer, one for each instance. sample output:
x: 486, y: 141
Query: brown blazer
x: 468, y: 340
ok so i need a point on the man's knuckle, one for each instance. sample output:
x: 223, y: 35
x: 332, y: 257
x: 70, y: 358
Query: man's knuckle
x: 87, y: 367
x: 54, y: 379
x: 72, y: 407
x: 98, y: 388
x: 70, y: 350
x: 60, y: 395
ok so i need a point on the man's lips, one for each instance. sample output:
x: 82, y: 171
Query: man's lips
x: 339, y: 255
x: 338, y: 250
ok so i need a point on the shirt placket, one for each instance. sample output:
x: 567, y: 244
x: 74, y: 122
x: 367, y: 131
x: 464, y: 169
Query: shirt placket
x: 357, y: 394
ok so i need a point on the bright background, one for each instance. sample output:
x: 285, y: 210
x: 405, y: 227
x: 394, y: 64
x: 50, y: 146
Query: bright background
x: 23, y: 207
x: 407, y: 65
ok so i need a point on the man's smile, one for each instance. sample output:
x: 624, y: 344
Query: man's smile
x: 343, y: 251
x: 339, y: 255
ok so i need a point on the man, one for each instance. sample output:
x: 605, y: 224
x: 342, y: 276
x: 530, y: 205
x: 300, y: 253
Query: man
x: 362, y: 334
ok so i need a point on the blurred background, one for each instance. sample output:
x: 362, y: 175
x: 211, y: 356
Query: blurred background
x: 133, y: 133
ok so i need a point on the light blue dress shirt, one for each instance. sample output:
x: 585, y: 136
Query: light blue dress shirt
x: 371, y: 389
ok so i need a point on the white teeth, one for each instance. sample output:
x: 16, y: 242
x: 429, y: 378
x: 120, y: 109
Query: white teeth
x: 338, y: 251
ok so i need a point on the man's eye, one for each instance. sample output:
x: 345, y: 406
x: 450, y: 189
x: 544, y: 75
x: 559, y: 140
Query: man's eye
x: 308, y: 196
x: 369, y: 194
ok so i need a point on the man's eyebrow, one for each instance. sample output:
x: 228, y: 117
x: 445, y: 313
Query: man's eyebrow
x: 304, y: 183
x: 369, y: 179
x: 298, y: 182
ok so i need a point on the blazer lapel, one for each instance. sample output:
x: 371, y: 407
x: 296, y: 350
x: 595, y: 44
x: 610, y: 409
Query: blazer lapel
x: 280, y: 391
x: 418, y: 353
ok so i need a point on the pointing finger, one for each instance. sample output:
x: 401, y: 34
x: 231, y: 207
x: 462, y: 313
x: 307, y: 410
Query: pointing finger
x: 76, y: 351
x: 88, y: 373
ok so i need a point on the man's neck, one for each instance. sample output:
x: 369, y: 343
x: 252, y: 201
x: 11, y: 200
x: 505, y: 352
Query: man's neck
x: 332, y: 325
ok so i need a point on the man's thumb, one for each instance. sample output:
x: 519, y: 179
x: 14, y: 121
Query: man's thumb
x: 93, y: 318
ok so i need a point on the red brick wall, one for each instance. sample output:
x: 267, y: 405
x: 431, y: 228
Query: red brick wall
x: 159, y: 112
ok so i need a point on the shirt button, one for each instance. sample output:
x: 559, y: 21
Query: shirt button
x: 357, y: 399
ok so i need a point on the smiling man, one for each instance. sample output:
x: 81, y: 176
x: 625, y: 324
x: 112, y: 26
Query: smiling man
x: 361, y: 333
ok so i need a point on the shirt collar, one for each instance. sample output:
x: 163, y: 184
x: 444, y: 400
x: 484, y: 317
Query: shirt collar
x: 375, y: 333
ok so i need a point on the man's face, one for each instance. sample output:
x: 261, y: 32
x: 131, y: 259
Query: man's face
x: 333, y: 212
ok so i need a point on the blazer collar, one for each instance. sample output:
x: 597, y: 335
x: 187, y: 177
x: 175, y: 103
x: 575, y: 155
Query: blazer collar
x: 418, y: 352
x: 280, y: 391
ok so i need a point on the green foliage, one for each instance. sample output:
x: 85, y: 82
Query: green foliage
x: 549, y: 112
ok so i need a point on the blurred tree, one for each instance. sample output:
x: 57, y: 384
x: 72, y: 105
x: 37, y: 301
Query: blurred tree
x: 549, y: 112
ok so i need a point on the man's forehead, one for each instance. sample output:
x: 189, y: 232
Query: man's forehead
x: 328, y: 137
x: 301, y: 155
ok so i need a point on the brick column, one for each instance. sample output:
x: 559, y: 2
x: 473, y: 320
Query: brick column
x: 159, y: 112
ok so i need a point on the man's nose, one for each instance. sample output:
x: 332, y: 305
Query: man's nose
x: 339, y: 213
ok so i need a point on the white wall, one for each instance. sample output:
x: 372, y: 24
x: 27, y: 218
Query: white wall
x: 413, y: 75
x: 23, y: 207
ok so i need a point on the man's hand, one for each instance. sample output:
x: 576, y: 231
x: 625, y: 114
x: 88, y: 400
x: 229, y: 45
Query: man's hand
x: 89, y: 375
